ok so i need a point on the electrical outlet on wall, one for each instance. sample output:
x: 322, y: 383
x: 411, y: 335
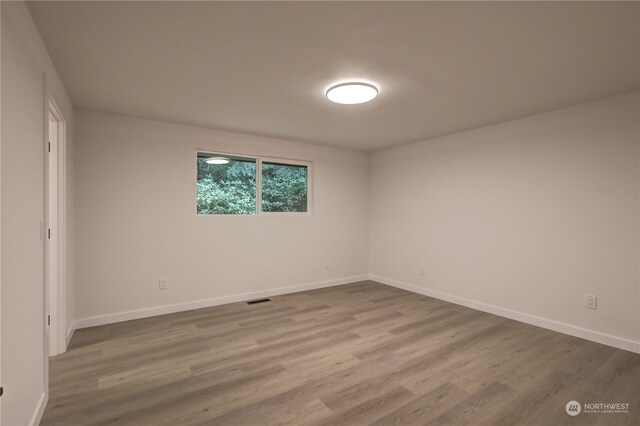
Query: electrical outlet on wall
x: 163, y: 284
x: 591, y: 301
x: 326, y: 264
x: 422, y: 270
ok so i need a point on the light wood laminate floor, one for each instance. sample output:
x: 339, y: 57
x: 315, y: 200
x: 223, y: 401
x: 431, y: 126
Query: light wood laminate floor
x: 363, y: 353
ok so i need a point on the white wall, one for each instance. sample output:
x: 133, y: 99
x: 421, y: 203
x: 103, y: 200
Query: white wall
x: 137, y: 222
x: 25, y: 63
x: 527, y: 216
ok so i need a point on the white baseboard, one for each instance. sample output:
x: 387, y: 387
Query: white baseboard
x: 70, y: 331
x: 572, y: 330
x: 197, y: 304
x: 37, y: 414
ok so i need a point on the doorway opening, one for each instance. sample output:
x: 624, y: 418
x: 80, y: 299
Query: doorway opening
x: 55, y: 242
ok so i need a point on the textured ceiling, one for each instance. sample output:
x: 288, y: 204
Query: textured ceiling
x: 263, y: 67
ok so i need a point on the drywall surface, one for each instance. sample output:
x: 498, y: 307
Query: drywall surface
x: 28, y: 78
x: 526, y: 216
x: 137, y: 222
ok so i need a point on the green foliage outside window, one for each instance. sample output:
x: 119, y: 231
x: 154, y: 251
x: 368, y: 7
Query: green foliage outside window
x: 227, y: 188
x: 284, y: 188
x: 231, y: 188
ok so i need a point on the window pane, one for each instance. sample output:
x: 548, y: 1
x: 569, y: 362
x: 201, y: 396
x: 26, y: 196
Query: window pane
x: 226, y: 188
x: 284, y: 188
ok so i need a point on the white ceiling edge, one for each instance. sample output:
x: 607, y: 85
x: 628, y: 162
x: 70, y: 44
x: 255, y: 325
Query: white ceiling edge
x: 329, y: 145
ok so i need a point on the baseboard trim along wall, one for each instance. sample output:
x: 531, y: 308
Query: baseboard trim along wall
x: 197, y: 304
x: 572, y: 330
x: 37, y: 414
x: 70, y: 331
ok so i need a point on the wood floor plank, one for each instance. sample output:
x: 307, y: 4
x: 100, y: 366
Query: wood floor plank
x: 361, y: 353
x: 467, y: 411
x: 424, y: 408
x: 370, y: 410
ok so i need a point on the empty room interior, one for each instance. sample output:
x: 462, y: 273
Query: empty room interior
x: 319, y: 213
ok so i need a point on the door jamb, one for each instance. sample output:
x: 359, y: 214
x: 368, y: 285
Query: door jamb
x: 59, y: 322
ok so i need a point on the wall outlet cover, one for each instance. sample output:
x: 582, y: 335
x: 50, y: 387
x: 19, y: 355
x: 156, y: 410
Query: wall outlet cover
x: 591, y: 301
x: 163, y: 284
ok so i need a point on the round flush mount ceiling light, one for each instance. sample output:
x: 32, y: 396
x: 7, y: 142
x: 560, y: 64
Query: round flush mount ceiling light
x: 216, y: 160
x: 352, y: 93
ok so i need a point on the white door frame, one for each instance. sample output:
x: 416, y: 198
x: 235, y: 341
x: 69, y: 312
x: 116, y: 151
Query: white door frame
x: 55, y: 229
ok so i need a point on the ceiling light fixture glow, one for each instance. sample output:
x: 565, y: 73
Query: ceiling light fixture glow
x: 216, y: 160
x: 352, y: 93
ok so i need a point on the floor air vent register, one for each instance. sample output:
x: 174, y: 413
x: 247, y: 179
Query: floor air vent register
x: 253, y: 302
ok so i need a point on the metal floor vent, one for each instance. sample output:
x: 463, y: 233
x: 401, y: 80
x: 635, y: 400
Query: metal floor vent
x: 253, y: 302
